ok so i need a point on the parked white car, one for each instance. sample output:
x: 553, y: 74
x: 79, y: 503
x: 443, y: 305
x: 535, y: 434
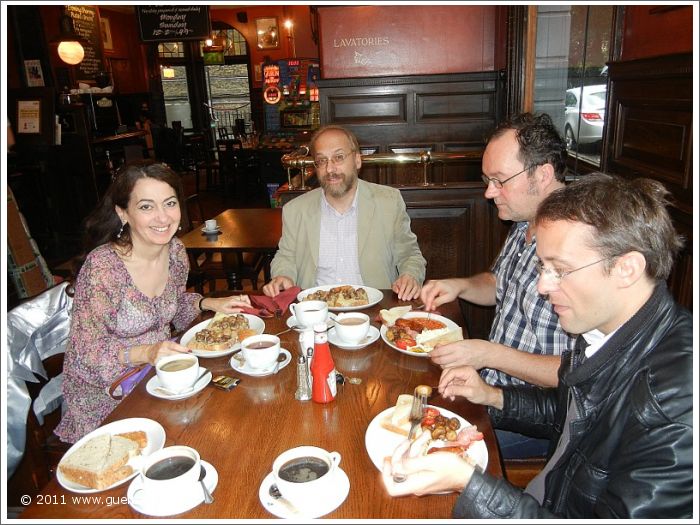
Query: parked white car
x: 592, y: 115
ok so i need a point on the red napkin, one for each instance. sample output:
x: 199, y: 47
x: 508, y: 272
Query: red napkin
x: 269, y: 305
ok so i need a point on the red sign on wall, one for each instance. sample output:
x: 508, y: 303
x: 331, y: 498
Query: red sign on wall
x: 372, y: 41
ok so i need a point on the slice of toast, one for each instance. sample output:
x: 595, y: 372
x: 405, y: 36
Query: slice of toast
x: 139, y: 436
x: 100, y: 462
x: 398, y: 420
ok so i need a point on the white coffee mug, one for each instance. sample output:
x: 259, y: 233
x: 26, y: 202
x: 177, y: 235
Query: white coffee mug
x: 309, y: 313
x: 305, y: 475
x: 167, y: 473
x: 352, y: 327
x: 177, y: 372
x: 210, y: 224
x: 260, y: 351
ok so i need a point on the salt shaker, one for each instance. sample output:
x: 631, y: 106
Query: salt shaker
x: 303, y: 392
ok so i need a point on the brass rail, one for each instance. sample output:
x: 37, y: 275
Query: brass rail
x: 301, y: 160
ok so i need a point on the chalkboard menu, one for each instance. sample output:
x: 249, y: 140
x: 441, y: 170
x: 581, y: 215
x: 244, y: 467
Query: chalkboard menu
x: 87, y: 26
x: 170, y: 23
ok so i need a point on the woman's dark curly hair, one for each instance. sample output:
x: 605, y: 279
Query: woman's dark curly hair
x: 103, y: 224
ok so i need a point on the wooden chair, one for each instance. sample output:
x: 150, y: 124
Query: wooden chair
x: 520, y: 471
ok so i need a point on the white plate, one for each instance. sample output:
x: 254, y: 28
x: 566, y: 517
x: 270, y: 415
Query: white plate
x: 325, y: 505
x: 178, y: 505
x: 448, y: 323
x: 381, y: 442
x: 292, y: 321
x: 154, y: 383
x: 254, y: 322
x: 210, y: 232
x: 240, y: 366
x: 370, y: 338
x: 156, y: 439
x: 373, y: 295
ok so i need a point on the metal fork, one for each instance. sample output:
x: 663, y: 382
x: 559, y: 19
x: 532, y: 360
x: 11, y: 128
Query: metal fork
x: 420, y: 400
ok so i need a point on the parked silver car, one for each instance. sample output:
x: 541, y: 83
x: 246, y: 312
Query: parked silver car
x: 592, y: 115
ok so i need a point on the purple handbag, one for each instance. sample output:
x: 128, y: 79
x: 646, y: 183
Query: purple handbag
x: 125, y: 383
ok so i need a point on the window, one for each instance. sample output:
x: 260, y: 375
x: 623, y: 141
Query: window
x: 176, y: 96
x: 573, y: 44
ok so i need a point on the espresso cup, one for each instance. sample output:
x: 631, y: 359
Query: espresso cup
x: 304, y: 475
x: 177, y: 372
x: 352, y: 327
x: 260, y: 351
x: 309, y: 313
x: 167, y: 473
x: 210, y: 224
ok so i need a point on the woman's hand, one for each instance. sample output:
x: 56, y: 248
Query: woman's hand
x: 226, y: 305
x: 151, y: 353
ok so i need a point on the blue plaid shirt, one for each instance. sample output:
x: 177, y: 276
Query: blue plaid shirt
x: 524, y: 319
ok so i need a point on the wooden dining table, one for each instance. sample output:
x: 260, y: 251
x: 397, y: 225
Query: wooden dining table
x: 241, y: 431
x: 242, y: 230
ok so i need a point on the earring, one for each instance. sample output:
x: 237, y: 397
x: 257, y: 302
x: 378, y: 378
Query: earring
x: 119, y: 235
x: 179, y: 228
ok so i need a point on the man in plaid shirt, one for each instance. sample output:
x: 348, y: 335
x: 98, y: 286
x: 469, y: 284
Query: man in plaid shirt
x: 524, y: 161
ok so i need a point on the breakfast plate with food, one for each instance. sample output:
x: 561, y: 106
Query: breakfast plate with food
x: 222, y: 334
x: 449, y: 433
x: 110, y: 455
x: 417, y: 333
x: 343, y: 297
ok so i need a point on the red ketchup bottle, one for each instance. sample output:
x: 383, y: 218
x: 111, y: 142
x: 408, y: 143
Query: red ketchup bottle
x: 324, y: 386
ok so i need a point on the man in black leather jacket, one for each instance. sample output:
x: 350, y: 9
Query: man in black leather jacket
x: 621, y: 419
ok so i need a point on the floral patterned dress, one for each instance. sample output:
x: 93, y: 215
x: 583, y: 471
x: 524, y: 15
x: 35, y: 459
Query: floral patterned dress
x: 110, y: 314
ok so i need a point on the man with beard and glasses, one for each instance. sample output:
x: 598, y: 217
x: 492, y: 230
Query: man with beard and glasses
x: 524, y: 162
x: 348, y: 231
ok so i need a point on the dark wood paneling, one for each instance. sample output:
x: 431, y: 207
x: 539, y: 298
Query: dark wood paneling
x: 650, y: 134
x: 439, y: 113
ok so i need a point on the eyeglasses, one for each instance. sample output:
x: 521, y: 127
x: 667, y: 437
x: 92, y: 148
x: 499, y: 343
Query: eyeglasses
x: 556, y: 276
x: 499, y: 183
x: 336, y: 159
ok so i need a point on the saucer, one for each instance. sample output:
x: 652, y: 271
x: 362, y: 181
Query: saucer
x: 198, y: 387
x: 211, y: 232
x: 239, y: 365
x: 292, y: 321
x: 323, y: 507
x: 371, y: 337
x: 182, y: 503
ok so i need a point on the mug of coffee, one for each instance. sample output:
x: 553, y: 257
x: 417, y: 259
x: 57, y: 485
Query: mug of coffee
x: 210, y: 224
x: 352, y: 327
x: 177, y: 372
x: 309, y: 313
x: 260, y: 351
x: 166, y: 473
x: 305, y: 474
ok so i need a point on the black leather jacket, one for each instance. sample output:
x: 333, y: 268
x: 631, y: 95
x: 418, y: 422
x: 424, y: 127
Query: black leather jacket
x: 631, y: 451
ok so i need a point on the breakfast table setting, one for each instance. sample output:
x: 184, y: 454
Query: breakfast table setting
x: 248, y: 432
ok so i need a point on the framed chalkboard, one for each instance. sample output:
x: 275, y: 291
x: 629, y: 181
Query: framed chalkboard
x: 87, y: 25
x: 168, y: 23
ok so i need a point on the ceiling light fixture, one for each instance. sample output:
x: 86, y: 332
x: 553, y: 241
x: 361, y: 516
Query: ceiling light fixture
x: 70, y: 45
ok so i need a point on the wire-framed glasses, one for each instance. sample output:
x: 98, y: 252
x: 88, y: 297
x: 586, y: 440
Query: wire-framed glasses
x: 336, y: 159
x: 556, y: 275
x: 499, y: 183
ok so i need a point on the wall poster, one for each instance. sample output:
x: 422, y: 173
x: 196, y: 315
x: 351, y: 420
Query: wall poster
x: 29, y: 116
